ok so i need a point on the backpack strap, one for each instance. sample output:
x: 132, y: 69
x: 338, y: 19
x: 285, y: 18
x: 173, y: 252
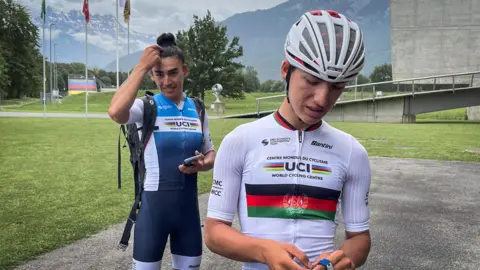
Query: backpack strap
x: 149, y: 117
x: 119, y: 170
x: 200, y: 106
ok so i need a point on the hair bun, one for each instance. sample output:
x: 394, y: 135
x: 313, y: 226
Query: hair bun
x: 166, y: 39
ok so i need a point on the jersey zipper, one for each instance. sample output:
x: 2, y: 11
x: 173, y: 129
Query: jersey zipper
x: 184, y: 134
x: 300, y: 135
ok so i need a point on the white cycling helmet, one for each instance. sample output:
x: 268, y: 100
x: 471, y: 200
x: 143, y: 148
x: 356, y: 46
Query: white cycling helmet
x: 327, y: 45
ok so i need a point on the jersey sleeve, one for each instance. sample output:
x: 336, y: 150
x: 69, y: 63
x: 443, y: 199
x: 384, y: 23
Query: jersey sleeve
x: 136, y: 112
x: 356, y: 214
x: 227, y: 177
x: 207, y: 144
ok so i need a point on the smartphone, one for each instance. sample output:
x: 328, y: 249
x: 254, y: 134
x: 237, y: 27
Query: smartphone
x: 189, y: 161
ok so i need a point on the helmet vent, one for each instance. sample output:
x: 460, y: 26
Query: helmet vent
x: 360, y: 53
x: 338, y: 42
x: 304, y: 51
x: 350, y: 45
x: 333, y: 14
x: 359, y: 64
x: 309, y: 41
x: 324, y: 34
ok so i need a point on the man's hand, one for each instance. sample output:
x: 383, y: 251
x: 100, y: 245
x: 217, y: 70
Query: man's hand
x: 198, y: 165
x: 338, y: 259
x: 279, y: 256
x: 150, y: 57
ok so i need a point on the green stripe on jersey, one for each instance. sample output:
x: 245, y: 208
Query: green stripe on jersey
x: 290, y: 213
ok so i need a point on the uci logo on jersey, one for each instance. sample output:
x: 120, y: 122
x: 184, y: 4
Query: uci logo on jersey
x: 298, y: 166
x: 186, y: 124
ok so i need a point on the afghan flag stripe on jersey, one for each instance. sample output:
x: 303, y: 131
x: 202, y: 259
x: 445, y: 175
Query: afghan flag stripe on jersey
x: 291, y: 201
x: 293, y: 189
x: 290, y: 213
x: 279, y: 201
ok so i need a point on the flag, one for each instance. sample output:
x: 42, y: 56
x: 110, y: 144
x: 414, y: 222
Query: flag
x: 44, y: 12
x: 85, y: 11
x: 126, y: 11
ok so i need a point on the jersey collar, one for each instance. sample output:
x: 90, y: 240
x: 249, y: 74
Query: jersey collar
x: 284, y: 123
x: 179, y: 105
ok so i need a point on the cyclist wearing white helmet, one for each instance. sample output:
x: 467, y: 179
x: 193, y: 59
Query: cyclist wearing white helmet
x: 288, y: 174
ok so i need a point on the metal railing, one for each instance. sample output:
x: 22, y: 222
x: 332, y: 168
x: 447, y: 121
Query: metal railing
x: 393, y: 88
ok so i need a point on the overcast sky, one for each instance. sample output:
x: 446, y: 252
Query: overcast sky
x: 157, y: 16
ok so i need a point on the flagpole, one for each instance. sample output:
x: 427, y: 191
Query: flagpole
x: 86, y: 70
x: 116, y: 42
x: 51, y: 59
x: 128, y: 42
x: 44, y: 75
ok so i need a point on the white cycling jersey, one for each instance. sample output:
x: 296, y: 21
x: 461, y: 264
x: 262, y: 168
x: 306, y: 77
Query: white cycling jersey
x: 288, y: 185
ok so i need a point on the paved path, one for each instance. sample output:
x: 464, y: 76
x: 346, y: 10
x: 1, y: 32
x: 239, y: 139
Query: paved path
x: 64, y: 115
x: 425, y: 215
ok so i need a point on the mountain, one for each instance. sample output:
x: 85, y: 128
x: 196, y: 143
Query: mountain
x: 69, y: 34
x: 262, y: 32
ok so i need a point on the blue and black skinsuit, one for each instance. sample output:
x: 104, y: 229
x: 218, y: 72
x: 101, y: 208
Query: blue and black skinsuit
x: 169, y: 199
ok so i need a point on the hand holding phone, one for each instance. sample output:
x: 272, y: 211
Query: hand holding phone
x: 192, y: 164
x: 188, y: 162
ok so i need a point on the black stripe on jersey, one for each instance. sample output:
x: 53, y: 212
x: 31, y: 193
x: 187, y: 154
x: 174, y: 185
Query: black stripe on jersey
x: 292, y: 189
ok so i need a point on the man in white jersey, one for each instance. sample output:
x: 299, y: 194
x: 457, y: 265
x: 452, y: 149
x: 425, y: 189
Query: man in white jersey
x: 287, y: 175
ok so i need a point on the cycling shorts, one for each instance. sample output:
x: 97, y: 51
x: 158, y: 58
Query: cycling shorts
x: 166, y: 213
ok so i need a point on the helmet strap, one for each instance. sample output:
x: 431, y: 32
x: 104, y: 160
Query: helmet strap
x: 287, y: 80
x: 287, y: 85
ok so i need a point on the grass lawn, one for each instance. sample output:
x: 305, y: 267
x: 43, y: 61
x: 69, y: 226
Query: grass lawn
x: 425, y: 140
x: 99, y: 103
x: 455, y: 114
x: 6, y: 103
x: 58, y: 180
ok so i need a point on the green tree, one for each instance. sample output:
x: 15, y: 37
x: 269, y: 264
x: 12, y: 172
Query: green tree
x: 18, y: 39
x: 267, y: 86
x: 361, y: 79
x: 381, y: 73
x: 278, y: 86
x: 272, y: 86
x: 4, y: 79
x: 251, y: 83
x: 148, y: 83
x: 210, y: 58
x: 106, y: 80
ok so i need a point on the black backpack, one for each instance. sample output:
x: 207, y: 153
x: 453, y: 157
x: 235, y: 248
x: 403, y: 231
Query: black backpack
x: 136, y: 146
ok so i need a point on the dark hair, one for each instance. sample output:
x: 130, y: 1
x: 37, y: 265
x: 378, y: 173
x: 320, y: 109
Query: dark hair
x: 169, y: 46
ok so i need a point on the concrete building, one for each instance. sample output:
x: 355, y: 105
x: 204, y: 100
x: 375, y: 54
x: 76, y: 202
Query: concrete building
x: 432, y: 37
x: 435, y: 37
